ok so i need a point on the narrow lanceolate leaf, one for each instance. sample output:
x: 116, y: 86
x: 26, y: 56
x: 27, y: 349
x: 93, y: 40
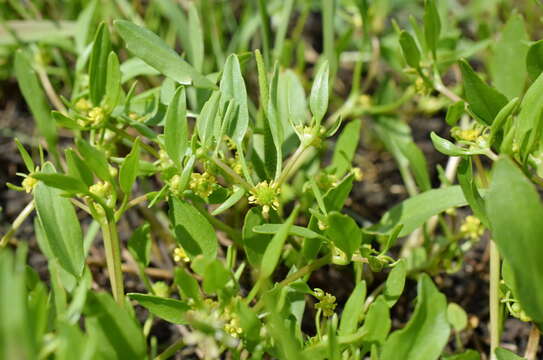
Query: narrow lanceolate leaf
x: 129, y: 169
x: 94, y: 158
x: 515, y: 211
x: 61, y: 226
x: 175, y: 128
x: 395, y: 283
x: 484, y: 101
x: 192, y: 230
x: 510, y: 53
x: 27, y: 159
x: 345, y: 148
x: 427, y: 332
x: 113, y: 82
x: 275, y: 247
x: 117, y: 332
x: 35, y: 98
x: 354, y: 307
x: 414, y: 211
x: 205, y: 123
x: 233, y: 87
x: 471, y: 193
x: 410, y: 50
x: 432, y: 25
x: 534, y: 59
x: 155, y: 52
x: 446, y: 147
x: 62, y: 182
x: 98, y: 64
x: 296, y: 102
x: 275, y: 125
x: 318, y: 98
x: 170, y: 310
x: 196, y: 55
x: 231, y: 201
x: 529, y: 117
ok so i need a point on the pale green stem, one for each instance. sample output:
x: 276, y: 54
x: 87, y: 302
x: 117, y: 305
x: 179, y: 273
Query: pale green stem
x: 494, y: 299
x: 113, y: 259
x: 17, y: 223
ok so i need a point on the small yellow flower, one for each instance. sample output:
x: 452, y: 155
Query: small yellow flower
x: 472, y: 228
x: 421, y: 87
x: 266, y: 195
x: 29, y: 183
x: 202, y: 184
x: 364, y: 100
x: 83, y: 105
x: 97, y: 116
x: 358, y: 174
x: 179, y: 255
x: 101, y: 189
x: 327, y: 302
x: 232, y: 328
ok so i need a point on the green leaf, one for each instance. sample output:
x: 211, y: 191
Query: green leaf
x: 187, y: 285
x: 65, y: 121
x: 344, y: 232
x: 233, y: 87
x: 113, y: 82
x: 410, y: 50
x: 275, y: 247
x: 35, y: 98
x: 466, y: 355
x: 77, y: 168
x: 395, y: 283
x: 16, y: 338
x: 504, y: 354
x: 170, y: 310
x: 432, y: 26
x: 274, y: 122
x: 335, y: 198
x: 130, y: 168
x: 413, y: 212
x: 294, y: 230
x: 345, y: 148
x: 529, y: 118
x: 318, y: 98
x: 192, y: 230
x: 471, y: 193
x: 501, y: 118
x: 215, y: 277
x: 155, y: 52
x: 457, y: 317
x: 426, y: 333
x: 231, y: 201
x: 62, y: 182
x: 139, y: 244
x: 510, y: 53
x: 27, y: 159
x: 118, y: 334
x: 484, y: 101
x: 61, y: 226
x: 534, y: 59
x: 454, y: 112
x: 83, y: 24
x: 514, y: 210
x: 446, y: 147
x: 98, y: 64
x: 254, y: 243
x: 196, y: 36
x: 94, y: 158
x: 377, y: 322
x: 354, y: 307
x: 176, y: 127
x: 296, y: 101
x: 206, y: 121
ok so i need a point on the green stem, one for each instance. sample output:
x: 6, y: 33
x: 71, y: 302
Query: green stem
x: 113, y: 258
x: 171, y: 350
x: 17, y: 223
x: 494, y: 299
x: 228, y: 170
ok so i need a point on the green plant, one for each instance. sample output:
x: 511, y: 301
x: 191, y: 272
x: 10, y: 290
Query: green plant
x: 221, y: 156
